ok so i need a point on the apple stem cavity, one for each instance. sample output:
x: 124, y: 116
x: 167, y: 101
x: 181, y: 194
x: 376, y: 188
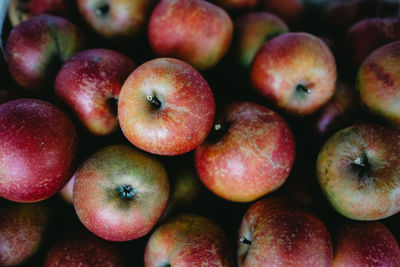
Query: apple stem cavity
x: 102, y: 10
x: 126, y: 191
x: 244, y: 240
x: 362, y: 166
x: 303, y: 88
x: 154, y: 101
x: 112, y: 103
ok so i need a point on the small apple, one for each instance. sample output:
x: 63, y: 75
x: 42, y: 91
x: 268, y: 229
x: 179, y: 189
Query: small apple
x: 296, y: 72
x: 365, y: 244
x: 195, y: 31
x: 116, y: 18
x: 38, y: 144
x: 276, y: 232
x: 253, y: 30
x: 89, y: 83
x: 120, y: 193
x: 166, y: 107
x: 249, y: 154
x: 378, y: 82
x: 188, y: 240
x: 357, y: 169
x: 37, y: 47
x: 22, y: 228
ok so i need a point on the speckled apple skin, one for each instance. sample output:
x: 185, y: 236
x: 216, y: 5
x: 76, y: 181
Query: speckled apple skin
x: 372, y: 196
x: 188, y: 240
x: 21, y: 230
x: 362, y: 244
x: 291, y: 59
x: 37, y: 47
x: 283, y: 234
x: 252, y: 31
x: 253, y: 157
x: 187, y: 107
x: 195, y: 31
x: 37, y: 151
x: 378, y: 82
x: 102, y: 210
x: 84, y: 250
x: 87, y: 81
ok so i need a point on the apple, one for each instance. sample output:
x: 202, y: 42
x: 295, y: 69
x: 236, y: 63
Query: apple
x: 120, y: 193
x: 253, y: 30
x: 20, y: 10
x: 83, y: 249
x: 67, y: 192
x: 188, y: 240
x: 22, y: 228
x: 89, y: 83
x: 37, y: 47
x: 378, y: 82
x: 291, y: 11
x: 195, y: 31
x: 296, y: 72
x: 249, y: 154
x: 276, y: 232
x: 37, y: 151
x: 357, y: 169
x: 369, y: 34
x: 237, y: 4
x: 365, y: 244
x: 116, y: 18
x: 166, y: 107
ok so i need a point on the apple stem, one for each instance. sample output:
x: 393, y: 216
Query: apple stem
x: 358, y: 161
x: 126, y: 191
x: 244, y: 240
x: 304, y: 89
x: 154, y: 100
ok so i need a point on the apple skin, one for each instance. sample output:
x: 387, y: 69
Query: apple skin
x: 252, y: 31
x: 67, y: 192
x: 195, y: 31
x: 120, y: 193
x: 21, y: 10
x: 116, y: 18
x: 365, y: 244
x: 89, y: 83
x: 184, y: 115
x: 296, y: 72
x: 378, y: 81
x: 251, y: 156
x: 188, y: 240
x: 276, y: 232
x: 357, y: 171
x: 37, y: 47
x: 83, y: 249
x: 291, y: 11
x: 369, y: 34
x: 37, y: 151
x: 22, y: 228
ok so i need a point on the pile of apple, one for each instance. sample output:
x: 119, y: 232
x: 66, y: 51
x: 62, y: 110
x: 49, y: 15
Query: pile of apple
x: 200, y: 133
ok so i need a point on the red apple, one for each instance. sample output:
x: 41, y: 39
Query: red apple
x: 188, y: 240
x: 378, y: 82
x: 120, y: 193
x: 253, y: 30
x: 116, y: 18
x: 361, y: 244
x: 358, y: 169
x: 250, y: 155
x: 166, y: 107
x: 22, y: 228
x: 276, y: 232
x: 37, y: 47
x: 195, y: 31
x: 37, y: 151
x: 296, y: 72
x: 90, y: 83
x: 20, y: 10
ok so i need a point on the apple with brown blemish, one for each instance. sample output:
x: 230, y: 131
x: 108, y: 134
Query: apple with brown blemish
x: 89, y: 83
x: 378, y: 82
x: 277, y: 232
x: 296, y: 72
x: 188, y: 240
x: 166, y: 107
x: 195, y: 31
x: 249, y: 154
x: 358, y: 171
x: 120, y: 193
